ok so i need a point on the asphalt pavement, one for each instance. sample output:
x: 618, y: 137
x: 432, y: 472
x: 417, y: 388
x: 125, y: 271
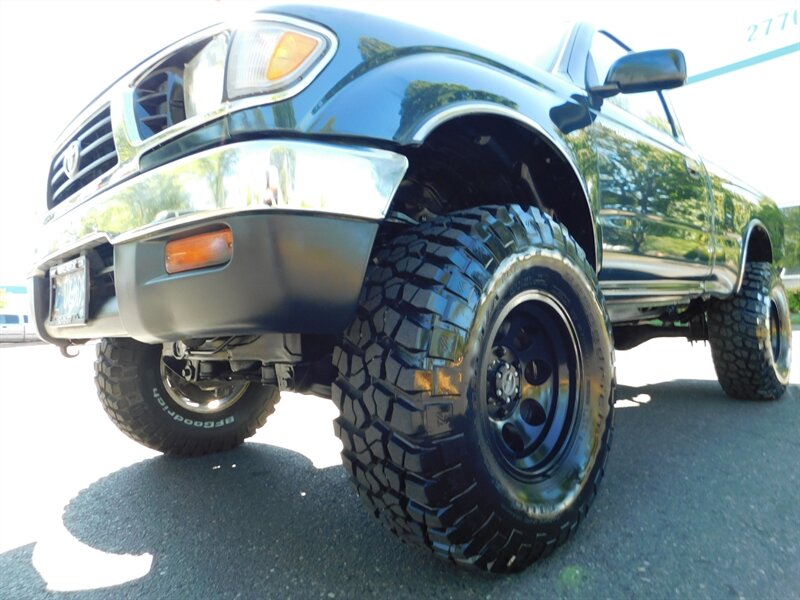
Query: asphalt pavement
x: 700, y: 500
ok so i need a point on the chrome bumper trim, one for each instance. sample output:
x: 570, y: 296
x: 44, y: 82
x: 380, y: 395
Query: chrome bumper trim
x: 249, y: 176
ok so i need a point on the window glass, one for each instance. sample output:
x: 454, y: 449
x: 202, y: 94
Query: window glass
x: 647, y: 105
x: 605, y: 52
x: 9, y: 319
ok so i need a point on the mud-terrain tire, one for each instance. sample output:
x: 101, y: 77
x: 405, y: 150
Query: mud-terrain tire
x: 162, y: 411
x: 751, y: 336
x: 453, y: 432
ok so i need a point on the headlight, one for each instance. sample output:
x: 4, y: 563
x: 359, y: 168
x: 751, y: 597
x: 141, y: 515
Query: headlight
x: 259, y: 58
x: 203, y: 77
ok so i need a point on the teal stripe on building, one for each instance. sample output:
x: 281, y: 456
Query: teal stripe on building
x: 14, y: 289
x: 742, y: 64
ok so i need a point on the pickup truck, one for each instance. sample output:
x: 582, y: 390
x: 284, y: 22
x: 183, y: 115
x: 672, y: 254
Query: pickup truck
x: 448, y: 243
x: 15, y: 328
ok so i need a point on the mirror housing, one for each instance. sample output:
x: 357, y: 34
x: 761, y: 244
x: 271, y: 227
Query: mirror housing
x: 644, y: 72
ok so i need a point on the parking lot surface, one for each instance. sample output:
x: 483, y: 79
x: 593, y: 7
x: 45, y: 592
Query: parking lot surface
x: 701, y: 500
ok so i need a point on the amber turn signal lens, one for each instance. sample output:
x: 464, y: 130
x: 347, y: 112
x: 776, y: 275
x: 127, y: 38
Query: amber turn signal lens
x: 199, y: 251
x: 292, y: 50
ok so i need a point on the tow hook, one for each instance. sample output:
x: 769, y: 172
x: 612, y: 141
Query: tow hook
x: 66, y: 353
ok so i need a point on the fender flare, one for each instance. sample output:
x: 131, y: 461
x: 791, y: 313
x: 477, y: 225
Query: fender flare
x: 752, y: 226
x: 476, y: 108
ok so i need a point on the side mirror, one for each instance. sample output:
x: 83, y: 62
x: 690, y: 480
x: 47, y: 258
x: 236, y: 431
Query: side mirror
x: 644, y: 72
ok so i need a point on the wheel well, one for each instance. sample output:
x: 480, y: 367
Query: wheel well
x: 759, y: 246
x: 487, y: 159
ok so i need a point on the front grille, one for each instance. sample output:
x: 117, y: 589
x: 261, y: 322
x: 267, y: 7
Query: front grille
x: 96, y: 155
x: 158, y: 100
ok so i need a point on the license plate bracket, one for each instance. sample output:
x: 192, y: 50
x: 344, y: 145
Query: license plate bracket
x: 69, y: 293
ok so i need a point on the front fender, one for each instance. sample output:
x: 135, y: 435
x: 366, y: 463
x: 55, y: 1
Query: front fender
x: 407, y: 97
x: 395, y: 100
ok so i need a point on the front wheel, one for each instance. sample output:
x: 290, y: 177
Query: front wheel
x: 158, y: 408
x: 476, y: 387
x: 751, y: 336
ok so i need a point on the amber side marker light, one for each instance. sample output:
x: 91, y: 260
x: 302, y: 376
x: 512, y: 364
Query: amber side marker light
x: 199, y: 251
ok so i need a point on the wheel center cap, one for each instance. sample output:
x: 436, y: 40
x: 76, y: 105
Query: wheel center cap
x: 506, y: 381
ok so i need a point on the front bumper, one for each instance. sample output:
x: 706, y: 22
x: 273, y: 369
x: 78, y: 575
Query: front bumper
x: 263, y: 175
x: 304, y: 216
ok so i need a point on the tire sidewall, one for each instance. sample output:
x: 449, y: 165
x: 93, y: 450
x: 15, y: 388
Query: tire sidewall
x: 776, y: 293
x: 552, y: 273
x: 741, y: 340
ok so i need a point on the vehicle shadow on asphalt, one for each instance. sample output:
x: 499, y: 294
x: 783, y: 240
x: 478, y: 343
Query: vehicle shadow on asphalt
x: 261, y: 521
x: 256, y: 522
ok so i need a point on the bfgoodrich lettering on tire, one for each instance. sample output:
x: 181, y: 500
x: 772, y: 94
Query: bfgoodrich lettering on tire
x: 751, y: 336
x: 476, y: 387
x: 159, y: 409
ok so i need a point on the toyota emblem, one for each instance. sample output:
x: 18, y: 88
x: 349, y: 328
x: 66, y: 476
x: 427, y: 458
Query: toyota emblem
x: 72, y: 159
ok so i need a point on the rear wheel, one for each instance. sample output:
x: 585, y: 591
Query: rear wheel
x: 751, y: 336
x: 476, y: 387
x: 153, y: 405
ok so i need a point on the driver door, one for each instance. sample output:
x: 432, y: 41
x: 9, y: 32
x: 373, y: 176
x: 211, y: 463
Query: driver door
x: 655, y: 215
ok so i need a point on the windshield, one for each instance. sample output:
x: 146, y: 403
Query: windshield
x: 547, y: 47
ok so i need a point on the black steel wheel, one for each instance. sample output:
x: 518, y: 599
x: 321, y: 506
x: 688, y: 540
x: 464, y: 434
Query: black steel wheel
x: 751, y: 336
x: 533, y: 373
x: 476, y: 387
x: 150, y: 402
